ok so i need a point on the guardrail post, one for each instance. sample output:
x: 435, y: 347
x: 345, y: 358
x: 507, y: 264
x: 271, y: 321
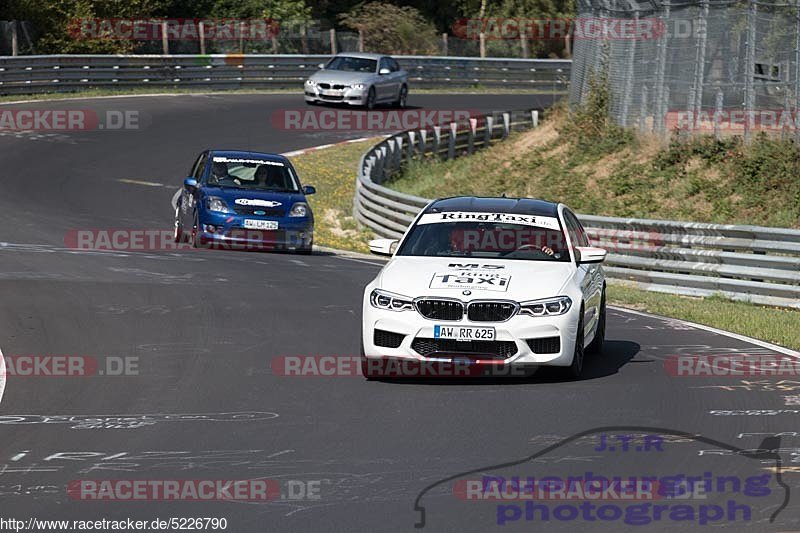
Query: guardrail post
x: 437, y: 139
x: 423, y: 137
x: 451, y: 143
x: 506, y: 124
x: 380, y: 163
x: 473, y: 123
x: 487, y: 132
x: 412, y: 141
x: 534, y: 118
x: 398, y: 152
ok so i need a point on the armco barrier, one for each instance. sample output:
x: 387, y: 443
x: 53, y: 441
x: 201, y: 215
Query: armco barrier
x: 67, y: 73
x: 751, y: 263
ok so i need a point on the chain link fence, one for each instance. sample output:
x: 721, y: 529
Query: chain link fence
x: 704, y: 66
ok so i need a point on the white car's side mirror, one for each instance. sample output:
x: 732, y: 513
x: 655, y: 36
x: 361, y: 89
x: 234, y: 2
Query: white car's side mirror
x: 321, y: 66
x: 590, y: 254
x: 384, y: 71
x: 383, y: 246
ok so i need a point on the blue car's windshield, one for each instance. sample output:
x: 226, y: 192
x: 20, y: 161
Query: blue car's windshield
x: 252, y: 174
x: 352, y: 64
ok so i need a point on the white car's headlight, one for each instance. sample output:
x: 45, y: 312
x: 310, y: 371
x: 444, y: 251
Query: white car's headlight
x: 390, y: 301
x: 546, y: 307
x: 300, y: 209
x: 217, y: 204
x: 359, y: 86
x: 310, y: 83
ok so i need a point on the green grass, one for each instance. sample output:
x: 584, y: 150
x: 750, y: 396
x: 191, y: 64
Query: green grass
x: 332, y: 171
x: 779, y: 326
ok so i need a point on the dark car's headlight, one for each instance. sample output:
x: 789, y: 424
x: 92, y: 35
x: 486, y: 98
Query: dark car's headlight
x: 546, y: 307
x: 300, y: 209
x: 217, y: 204
x: 390, y: 301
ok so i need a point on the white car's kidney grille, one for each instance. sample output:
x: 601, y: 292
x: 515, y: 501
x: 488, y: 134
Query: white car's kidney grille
x: 486, y: 349
x: 441, y: 309
x: 490, y: 311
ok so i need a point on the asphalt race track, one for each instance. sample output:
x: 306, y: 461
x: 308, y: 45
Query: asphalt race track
x: 205, y: 328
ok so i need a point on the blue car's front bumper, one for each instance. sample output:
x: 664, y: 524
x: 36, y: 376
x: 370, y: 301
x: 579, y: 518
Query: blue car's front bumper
x: 222, y: 230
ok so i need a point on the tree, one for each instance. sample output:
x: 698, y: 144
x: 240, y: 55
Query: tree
x: 389, y: 29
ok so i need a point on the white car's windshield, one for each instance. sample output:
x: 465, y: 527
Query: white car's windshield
x: 252, y: 175
x: 352, y: 64
x: 487, y: 240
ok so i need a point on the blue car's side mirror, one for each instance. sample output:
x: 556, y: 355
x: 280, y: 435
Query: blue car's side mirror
x: 190, y: 183
x: 309, y: 189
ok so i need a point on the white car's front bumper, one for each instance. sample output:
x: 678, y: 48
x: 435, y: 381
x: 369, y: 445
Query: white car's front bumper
x: 314, y: 94
x: 544, y: 340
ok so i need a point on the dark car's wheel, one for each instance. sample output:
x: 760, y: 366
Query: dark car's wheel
x: 574, y: 370
x: 596, y: 346
x: 371, y: 98
x: 402, y: 98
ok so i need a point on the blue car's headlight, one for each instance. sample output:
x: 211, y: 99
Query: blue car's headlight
x: 217, y: 204
x: 546, y: 307
x: 390, y: 301
x: 300, y: 209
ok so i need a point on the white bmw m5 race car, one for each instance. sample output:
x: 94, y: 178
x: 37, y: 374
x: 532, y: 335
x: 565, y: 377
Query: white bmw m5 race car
x: 482, y: 284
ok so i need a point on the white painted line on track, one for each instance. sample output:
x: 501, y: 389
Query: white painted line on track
x: 743, y: 338
x: 139, y: 182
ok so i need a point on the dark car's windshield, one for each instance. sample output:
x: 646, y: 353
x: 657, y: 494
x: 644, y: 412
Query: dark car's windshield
x: 252, y: 174
x: 352, y: 64
x: 533, y: 238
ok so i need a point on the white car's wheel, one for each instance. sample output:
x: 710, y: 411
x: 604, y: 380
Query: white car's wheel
x: 575, y: 370
x: 596, y: 346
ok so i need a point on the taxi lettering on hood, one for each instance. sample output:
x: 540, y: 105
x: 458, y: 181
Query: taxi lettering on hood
x: 471, y: 279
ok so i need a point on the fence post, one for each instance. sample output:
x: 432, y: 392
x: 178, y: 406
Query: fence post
x: 534, y: 118
x: 660, y: 104
x: 506, y: 124
x: 523, y: 42
x: 749, y: 70
x: 164, y: 40
x: 797, y: 73
x: 333, y: 41
x: 451, y: 142
x: 643, y: 110
x: 718, y: 105
x: 700, y: 66
x: 423, y: 138
x: 473, y: 123
x: 202, y: 30
x: 690, y: 107
x: 14, y: 39
x: 412, y: 141
x: 628, y: 90
x: 444, y: 44
x: 665, y: 108
x: 360, y: 40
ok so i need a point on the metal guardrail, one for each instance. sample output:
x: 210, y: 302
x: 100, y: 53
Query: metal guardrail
x: 67, y: 73
x: 751, y: 263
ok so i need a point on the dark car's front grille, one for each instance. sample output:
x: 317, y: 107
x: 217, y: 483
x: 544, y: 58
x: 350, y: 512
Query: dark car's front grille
x: 263, y: 211
x: 490, y: 311
x: 487, y: 349
x: 441, y: 309
x: 387, y: 339
x: 329, y: 86
x: 545, y: 345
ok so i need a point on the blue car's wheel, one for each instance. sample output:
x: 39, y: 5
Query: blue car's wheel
x: 179, y: 235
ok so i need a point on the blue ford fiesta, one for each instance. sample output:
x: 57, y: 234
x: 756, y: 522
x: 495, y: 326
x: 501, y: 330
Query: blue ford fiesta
x: 244, y: 200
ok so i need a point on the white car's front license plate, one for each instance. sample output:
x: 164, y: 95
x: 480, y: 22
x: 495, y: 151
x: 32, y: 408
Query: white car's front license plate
x: 464, y: 333
x: 260, y: 224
